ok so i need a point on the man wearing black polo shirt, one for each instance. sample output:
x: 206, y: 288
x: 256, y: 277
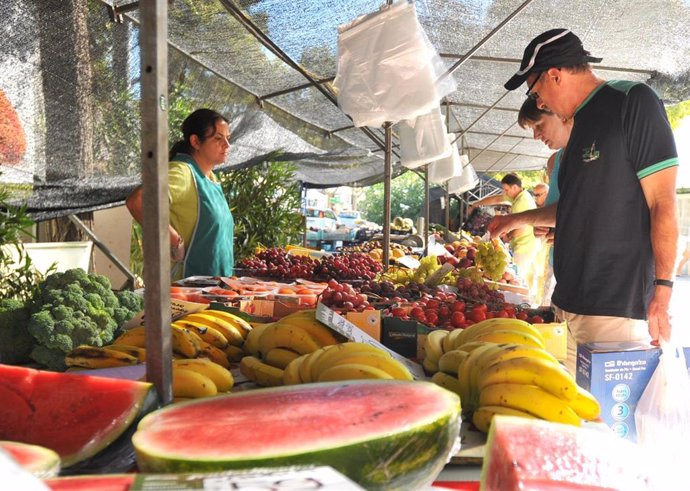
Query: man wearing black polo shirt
x: 616, y: 226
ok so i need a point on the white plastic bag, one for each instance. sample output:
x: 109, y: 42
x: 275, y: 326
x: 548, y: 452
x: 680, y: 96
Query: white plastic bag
x: 442, y: 170
x: 467, y: 181
x: 662, y: 416
x: 423, y: 140
x: 387, y: 68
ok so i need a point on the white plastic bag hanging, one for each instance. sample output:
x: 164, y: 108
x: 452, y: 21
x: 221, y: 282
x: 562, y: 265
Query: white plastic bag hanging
x: 423, y: 139
x: 442, y: 170
x: 387, y: 68
x: 662, y: 416
x: 467, y: 181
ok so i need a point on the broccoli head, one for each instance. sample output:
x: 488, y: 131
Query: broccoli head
x: 16, y: 342
x: 52, y: 359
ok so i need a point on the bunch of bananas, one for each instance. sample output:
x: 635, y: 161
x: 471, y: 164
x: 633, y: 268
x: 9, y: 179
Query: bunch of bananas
x: 199, y: 377
x: 500, y: 366
x: 204, y: 343
x: 492, y: 258
x: 270, y: 348
x: 346, y: 361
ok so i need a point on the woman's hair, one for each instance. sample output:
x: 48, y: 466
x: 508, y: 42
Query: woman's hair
x: 530, y: 113
x: 201, y: 123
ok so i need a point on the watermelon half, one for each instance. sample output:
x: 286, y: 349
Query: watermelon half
x: 110, y: 482
x: 381, y: 434
x: 77, y: 416
x: 40, y: 461
x: 526, y: 454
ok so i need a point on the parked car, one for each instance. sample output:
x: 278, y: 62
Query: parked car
x: 350, y: 218
x: 320, y: 219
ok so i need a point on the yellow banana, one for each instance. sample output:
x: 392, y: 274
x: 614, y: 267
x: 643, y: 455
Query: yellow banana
x: 511, y: 351
x: 280, y: 357
x: 532, y: 371
x: 260, y: 373
x: 189, y: 383
x: 511, y: 337
x: 477, y: 368
x: 205, y: 332
x: 504, y: 324
x: 531, y: 399
x: 139, y: 353
x: 133, y: 337
x: 251, y: 342
x: 291, y: 373
x: 287, y: 336
x: 430, y: 366
x: 339, y: 351
x: 447, y: 382
x: 185, y: 342
x: 448, y: 343
x: 381, y: 360
x: 470, y: 346
x: 220, y: 376
x: 482, y: 416
x: 433, y: 347
x: 216, y: 355
x: 318, y: 331
x: 229, y: 333
x: 95, y: 357
x: 465, y: 375
x: 450, y: 361
x: 305, y: 368
x: 585, y: 405
x: 234, y: 353
x: 238, y: 322
x: 352, y: 371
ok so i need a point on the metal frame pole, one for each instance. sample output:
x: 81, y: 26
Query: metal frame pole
x: 153, y: 39
x: 427, y: 206
x: 387, y: 172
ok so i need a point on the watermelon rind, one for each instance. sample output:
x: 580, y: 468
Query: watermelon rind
x: 40, y: 461
x: 409, y: 458
x: 104, y: 482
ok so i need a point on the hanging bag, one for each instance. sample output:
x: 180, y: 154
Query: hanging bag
x: 662, y: 416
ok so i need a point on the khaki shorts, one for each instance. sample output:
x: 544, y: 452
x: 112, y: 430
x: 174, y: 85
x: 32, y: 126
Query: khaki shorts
x: 599, y: 329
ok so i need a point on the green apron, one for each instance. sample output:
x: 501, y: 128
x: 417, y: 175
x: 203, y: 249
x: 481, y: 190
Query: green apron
x: 210, y: 251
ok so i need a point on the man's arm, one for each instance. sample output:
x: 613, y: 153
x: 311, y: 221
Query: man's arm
x: 496, y: 199
x: 660, y: 193
x: 545, y: 217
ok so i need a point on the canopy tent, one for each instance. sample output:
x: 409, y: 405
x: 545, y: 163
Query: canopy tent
x: 69, y: 72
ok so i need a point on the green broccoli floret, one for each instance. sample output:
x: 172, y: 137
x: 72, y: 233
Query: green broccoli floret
x: 74, y: 308
x: 130, y: 300
x: 16, y: 342
x: 53, y: 359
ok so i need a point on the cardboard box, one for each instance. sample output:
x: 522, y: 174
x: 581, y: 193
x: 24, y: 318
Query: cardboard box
x: 616, y: 374
x: 368, y: 321
x: 274, y: 309
x: 555, y: 338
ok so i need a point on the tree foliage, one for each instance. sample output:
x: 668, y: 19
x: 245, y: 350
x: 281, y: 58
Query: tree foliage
x: 265, y: 201
x: 407, y: 198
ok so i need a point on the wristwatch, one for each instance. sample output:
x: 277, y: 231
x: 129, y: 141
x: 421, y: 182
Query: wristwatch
x: 667, y: 283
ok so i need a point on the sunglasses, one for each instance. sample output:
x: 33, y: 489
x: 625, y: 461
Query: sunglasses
x: 530, y: 94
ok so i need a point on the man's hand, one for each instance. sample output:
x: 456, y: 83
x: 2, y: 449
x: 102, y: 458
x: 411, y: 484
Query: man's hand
x: 502, y: 224
x: 545, y: 233
x: 658, y: 316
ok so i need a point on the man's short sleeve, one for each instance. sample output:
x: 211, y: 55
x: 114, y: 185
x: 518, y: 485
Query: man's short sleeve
x: 650, y: 142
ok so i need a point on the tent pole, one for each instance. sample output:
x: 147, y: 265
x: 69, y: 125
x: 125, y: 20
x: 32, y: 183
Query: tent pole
x: 387, y: 171
x: 427, y: 205
x: 446, y: 218
x: 104, y: 248
x: 153, y: 39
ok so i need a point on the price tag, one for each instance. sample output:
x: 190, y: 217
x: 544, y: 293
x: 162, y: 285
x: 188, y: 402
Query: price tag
x: 435, y: 278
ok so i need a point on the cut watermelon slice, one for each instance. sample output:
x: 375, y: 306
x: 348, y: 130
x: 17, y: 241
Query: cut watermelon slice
x: 39, y: 461
x: 381, y: 434
x: 77, y: 416
x: 530, y: 454
x: 113, y: 482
